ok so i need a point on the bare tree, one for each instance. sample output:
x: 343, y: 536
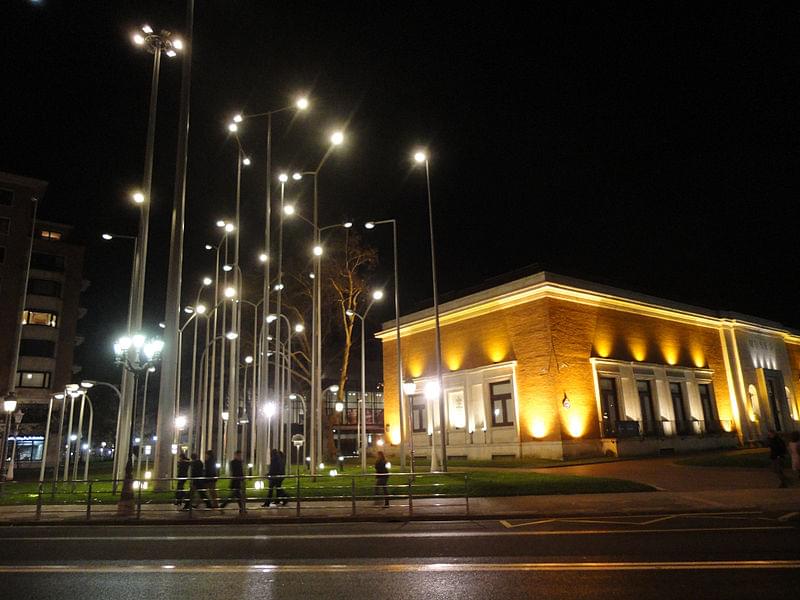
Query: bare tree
x: 345, y: 268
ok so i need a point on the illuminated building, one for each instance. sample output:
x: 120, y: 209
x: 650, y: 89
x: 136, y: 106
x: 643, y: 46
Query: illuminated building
x: 555, y: 367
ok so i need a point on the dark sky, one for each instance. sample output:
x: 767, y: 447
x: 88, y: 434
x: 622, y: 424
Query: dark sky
x: 653, y: 148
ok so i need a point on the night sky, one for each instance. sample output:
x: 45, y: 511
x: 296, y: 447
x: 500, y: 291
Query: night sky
x: 653, y: 148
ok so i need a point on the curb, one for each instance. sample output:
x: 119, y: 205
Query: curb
x: 144, y: 522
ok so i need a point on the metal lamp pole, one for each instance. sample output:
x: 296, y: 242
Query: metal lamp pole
x: 400, y: 403
x: 422, y: 157
x: 377, y: 295
x: 166, y: 400
x: 156, y: 43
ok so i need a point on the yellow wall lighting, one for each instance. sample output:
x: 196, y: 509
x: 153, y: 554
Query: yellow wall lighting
x: 538, y: 428
x: 576, y: 425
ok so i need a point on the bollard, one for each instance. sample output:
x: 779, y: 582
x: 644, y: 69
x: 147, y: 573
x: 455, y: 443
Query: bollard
x: 410, y: 496
x: 243, y: 497
x: 139, y: 502
x: 297, y: 492
x: 89, y: 502
x: 353, y: 494
x: 466, y: 491
x: 39, y: 503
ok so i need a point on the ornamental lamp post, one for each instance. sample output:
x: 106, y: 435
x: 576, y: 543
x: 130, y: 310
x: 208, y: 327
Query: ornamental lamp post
x: 136, y: 355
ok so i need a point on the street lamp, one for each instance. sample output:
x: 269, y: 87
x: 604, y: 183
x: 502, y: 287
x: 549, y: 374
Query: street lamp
x: 136, y: 354
x: 156, y: 44
x: 9, y: 406
x: 400, y: 403
x: 301, y: 104
x: 376, y: 295
x: 421, y: 157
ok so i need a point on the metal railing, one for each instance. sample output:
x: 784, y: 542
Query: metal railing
x: 340, y: 495
x: 664, y: 428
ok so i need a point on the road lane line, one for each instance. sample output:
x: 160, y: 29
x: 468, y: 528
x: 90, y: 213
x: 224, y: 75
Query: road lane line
x: 81, y: 569
x: 344, y: 536
x: 508, y: 525
x: 788, y: 516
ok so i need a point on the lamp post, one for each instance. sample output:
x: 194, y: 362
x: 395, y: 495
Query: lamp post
x: 157, y: 44
x: 400, y: 403
x: 422, y: 157
x: 136, y: 354
x: 336, y: 139
x: 376, y: 295
x: 301, y: 104
x: 9, y: 406
x: 88, y: 384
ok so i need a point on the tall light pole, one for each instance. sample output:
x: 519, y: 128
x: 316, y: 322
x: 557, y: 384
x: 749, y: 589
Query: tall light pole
x: 422, y: 157
x: 362, y: 434
x: 301, y: 104
x: 336, y: 139
x: 400, y: 403
x: 156, y: 43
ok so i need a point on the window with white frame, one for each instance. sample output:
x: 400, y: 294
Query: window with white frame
x: 501, y: 401
x: 458, y: 413
x: 419, y: 414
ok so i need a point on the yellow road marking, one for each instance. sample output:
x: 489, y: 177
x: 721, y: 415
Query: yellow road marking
x: 508, y: 525
x: 80, y: 569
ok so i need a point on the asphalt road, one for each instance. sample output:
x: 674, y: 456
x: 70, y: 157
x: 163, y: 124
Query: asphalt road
x: 724, y: 555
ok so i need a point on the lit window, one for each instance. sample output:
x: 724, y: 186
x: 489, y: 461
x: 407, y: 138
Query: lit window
x: 502, y: 404
x: 34, y: 317
x: 50, y: 235
x: 33, y: 379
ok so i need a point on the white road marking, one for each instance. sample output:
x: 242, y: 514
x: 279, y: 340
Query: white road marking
x: 82, y: 569
x: 345, y: 536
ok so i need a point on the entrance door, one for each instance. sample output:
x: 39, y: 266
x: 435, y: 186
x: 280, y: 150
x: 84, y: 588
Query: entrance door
x: 774, y: 381
x: 646, y: 404
x: 609, y: 405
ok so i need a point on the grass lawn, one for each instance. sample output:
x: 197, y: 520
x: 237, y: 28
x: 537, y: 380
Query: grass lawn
x: 751, y: 458
x: 480, y: 483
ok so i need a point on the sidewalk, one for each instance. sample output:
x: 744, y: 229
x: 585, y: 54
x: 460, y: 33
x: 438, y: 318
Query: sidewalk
x: 514, y: 507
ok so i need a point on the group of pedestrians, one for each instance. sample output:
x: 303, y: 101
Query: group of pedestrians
x: 203, y: 475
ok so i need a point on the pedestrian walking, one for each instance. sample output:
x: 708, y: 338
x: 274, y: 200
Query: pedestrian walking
x: 382, y: 478
x: 237, y: 481
x: 794, y: 452
x: 777, y: 450
x: 198, y: 483
x: 182, y: 473
x: 276, y: 472
x: 211, y: 474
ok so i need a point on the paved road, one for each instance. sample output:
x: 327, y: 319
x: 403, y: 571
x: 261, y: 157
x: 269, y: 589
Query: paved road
x: 730, y: 555
x: 666, y: 474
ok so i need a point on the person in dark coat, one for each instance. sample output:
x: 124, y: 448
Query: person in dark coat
x: 276, y: 472
x: 182, y: 473
x: 777, y: 450
x: 198, y: 482
x: 237, y: 481
x: 382, y: 478
x: 211, y: 474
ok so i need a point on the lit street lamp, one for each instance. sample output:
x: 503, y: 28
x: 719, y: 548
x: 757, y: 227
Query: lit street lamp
x: 155, y: 43
x: 422, y: 157
x: 136, y: 354
x: 401, y: 406
x: 376, y: 295
x: 9, y: 406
